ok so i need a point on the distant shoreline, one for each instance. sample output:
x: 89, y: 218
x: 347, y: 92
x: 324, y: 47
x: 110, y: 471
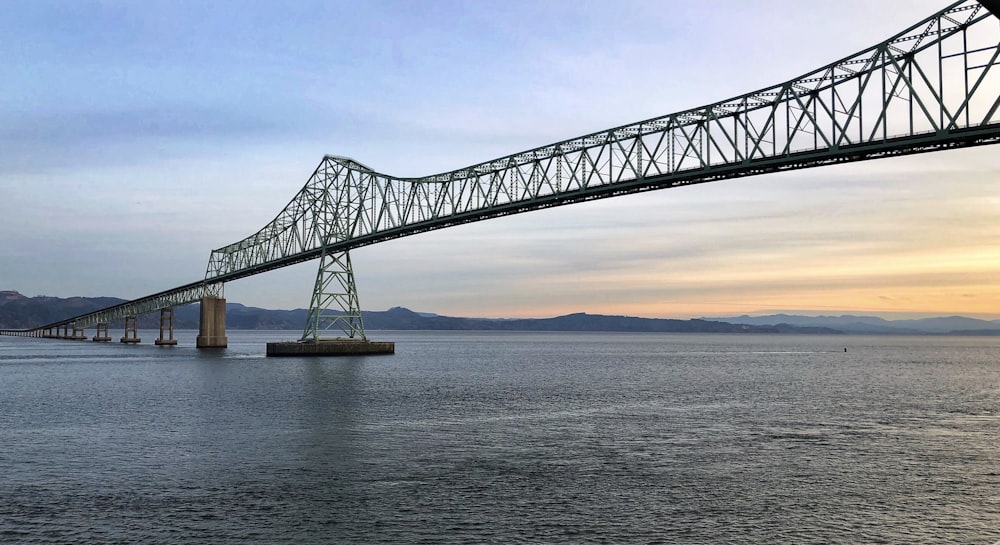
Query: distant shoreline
x: 20, y: 312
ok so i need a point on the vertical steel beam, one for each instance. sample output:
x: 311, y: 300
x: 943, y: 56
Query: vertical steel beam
x: 992, y: 5
x: 334, y: 304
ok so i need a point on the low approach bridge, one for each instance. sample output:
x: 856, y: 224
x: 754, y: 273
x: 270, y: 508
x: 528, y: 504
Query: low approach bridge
x: 934, y: 86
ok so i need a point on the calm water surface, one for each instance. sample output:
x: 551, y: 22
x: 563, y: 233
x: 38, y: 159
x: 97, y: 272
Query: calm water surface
x: 504, y: 438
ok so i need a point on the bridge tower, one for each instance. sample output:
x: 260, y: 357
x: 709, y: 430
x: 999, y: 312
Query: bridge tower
x: 334, y: 304
x: 334, y: 308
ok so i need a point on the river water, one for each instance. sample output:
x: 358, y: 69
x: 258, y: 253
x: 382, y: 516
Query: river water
x: 504, y: 438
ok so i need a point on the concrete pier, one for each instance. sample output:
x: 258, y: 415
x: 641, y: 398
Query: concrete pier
x: 212, y: 330
x: 102, y: 334
x: 333, y: 347
x: 131, y: 330
x: 166, y: 328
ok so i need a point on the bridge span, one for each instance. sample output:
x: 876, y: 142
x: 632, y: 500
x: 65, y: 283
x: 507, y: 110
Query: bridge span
x: 932, y: 87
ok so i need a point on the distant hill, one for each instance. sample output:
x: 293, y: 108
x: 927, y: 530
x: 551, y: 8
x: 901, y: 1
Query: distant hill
x: 957, y: 325
x: 401, y: 318
x: 20, y: 312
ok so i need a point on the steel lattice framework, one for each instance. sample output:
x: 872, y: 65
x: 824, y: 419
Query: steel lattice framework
x: 183, y: 295
x: 931, y: 87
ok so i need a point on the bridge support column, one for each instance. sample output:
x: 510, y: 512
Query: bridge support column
x: 64, y: 332
x: 166, y: 328
x: 78, y: 334
x: 131, y: 330
x: 334, y: 303
x: 335, y: 308
x: 212, y: 329
x: 102, y: 333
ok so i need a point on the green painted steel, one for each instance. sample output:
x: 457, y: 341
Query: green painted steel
x: 189, y: 293
x: 932, y: 87
x: 334, y: 304
x: 992, y: 5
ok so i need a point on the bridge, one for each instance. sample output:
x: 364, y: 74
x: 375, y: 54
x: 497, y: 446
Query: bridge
x: 931, y: 87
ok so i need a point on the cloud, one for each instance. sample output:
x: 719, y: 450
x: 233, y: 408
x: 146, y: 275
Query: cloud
x: 38, y: 141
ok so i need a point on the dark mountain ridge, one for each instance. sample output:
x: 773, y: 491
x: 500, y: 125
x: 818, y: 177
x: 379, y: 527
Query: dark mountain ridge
x: 20, y: 312
x: 874, y: 324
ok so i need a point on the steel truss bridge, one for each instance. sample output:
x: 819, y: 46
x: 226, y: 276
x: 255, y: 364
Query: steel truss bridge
x: 934, y: 86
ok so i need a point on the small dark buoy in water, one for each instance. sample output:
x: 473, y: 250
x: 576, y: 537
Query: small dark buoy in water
x: 845, y: 350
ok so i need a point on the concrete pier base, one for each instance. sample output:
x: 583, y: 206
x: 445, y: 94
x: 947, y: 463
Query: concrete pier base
x: 102, y: 334
x: 333, y: 347
x: 166, y: 337
x: 131, y: 330
x: 212, y: 330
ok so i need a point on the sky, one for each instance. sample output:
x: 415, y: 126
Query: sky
x: 137, y: 136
